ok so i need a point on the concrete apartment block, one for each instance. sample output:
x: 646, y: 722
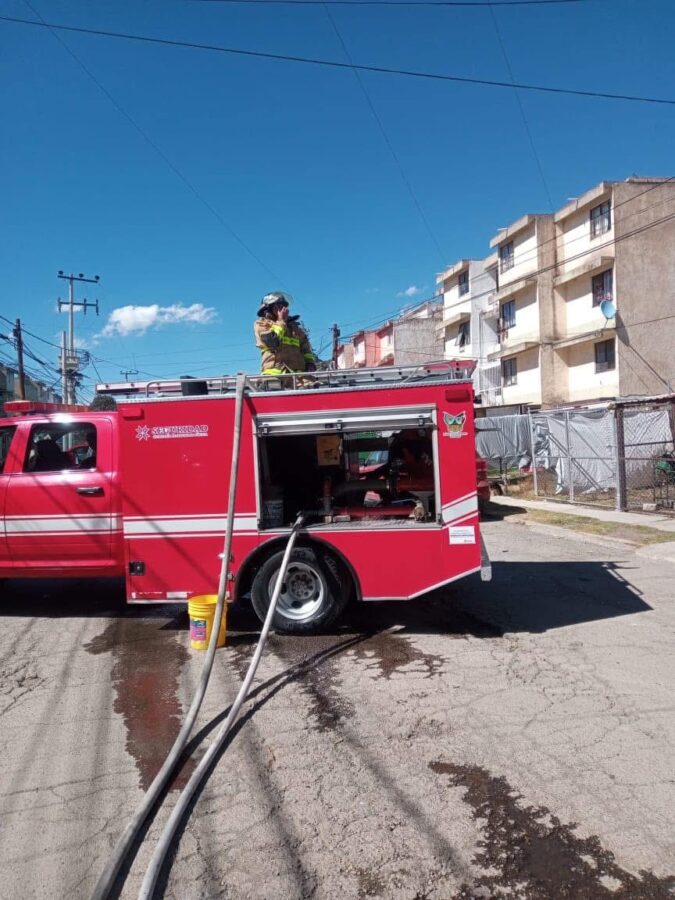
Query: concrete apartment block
x: 521, y: 306
x: 410, y: 339
x: 466, y: 288
x: 554, y: 344
x: 611, y: 245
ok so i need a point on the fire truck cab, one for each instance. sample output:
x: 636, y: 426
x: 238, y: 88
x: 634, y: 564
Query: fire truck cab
x: 380, y: 462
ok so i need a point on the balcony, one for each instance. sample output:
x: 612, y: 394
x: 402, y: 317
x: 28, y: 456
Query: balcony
x: 595, y: 263
x: 455, y: 315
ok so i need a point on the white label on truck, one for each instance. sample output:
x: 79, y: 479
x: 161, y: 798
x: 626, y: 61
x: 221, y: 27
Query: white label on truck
x: 462, y: 534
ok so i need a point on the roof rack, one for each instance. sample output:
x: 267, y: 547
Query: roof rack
x: 434, y: 372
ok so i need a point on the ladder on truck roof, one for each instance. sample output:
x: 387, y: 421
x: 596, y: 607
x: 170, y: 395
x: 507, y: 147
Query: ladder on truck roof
x: 329, y: 379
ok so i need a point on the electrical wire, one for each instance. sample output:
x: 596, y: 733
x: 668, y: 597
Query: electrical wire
x: 552, y: 266
x: 527, y: 255
x: 461, y: 3
x: 397, y: 162
x: 333, y: 64
x: 526, y: 124
x: 153, y: 144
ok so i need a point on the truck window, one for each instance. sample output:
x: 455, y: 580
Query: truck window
x: 55, y: 447
x: 6, y: 435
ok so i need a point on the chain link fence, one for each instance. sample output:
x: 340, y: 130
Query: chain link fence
x: 619, y: 455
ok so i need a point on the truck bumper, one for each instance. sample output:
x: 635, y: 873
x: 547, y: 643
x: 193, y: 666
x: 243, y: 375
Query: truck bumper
x: 485, y: 564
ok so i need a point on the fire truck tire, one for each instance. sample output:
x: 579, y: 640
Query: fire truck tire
x: 312, y: 597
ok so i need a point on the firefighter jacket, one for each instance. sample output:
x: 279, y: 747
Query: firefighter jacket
x: 284, y: 345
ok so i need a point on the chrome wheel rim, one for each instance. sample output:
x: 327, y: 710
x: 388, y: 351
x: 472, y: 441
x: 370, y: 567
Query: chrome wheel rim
x: 302, y: 592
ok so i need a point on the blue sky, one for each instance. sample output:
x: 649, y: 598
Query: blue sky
x: 291, y: 158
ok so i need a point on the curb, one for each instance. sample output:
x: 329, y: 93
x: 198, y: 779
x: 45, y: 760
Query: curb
x: 602, y: 540
x: 665, y: 551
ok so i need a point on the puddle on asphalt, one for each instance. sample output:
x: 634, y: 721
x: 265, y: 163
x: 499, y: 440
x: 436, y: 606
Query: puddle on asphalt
x: 148, y: 657
x: 312, y: 663
x: 530, y: 854
x: 388, y: 654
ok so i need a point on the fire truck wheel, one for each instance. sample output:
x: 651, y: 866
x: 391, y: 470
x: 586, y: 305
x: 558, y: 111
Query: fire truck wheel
x: 312, y: 595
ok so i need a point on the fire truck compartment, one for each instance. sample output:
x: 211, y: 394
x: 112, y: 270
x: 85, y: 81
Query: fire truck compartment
x: 350, y: 477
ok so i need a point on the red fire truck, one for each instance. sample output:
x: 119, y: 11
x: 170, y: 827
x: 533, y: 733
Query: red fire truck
x: 142, y: 492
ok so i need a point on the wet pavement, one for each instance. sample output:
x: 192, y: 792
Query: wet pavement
x: 149, y: 656
x: 490, y: 741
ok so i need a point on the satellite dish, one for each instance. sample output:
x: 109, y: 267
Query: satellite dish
x: 608, y: 309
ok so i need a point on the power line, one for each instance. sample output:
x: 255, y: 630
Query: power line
x: 308, y: 60
x: 526, y: 124
x: 385, y: 136
x: 552, y: 266
x: 400, y: 2
x: 146, y: 137
x: 527, y: 255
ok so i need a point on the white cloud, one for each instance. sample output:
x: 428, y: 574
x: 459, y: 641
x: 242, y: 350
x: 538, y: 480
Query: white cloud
x: 409, y: 292
x: 136, y: 320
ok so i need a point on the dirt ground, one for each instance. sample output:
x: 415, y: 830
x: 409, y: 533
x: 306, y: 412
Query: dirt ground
x: 512, y: 739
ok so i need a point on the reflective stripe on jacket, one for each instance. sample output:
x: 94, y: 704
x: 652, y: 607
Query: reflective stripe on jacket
x: 293, y: 352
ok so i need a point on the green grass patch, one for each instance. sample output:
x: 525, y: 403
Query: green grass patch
x: 640, y: 534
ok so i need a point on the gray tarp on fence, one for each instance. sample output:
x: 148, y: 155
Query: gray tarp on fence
x: 504, y: 440
x: 581, y: 447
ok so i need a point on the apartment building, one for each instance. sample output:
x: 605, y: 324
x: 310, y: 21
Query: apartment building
x: 409, y: 339
x: 520, y: 310
x: 35, y: 390
x: 544, y: 335
x: 612, y: 243
x: 466, y: 288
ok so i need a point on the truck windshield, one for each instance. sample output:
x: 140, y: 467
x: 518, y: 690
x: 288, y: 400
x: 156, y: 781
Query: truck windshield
x: 6, y: 435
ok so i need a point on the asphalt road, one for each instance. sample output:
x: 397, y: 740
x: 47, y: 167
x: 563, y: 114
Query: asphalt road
x: 513, y: 739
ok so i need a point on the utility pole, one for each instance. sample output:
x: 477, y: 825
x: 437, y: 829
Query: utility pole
x: 336, y: 343
x: 64, y: 370
x: 69, y: 359
x: 128, y: 372
x: 18, y: 337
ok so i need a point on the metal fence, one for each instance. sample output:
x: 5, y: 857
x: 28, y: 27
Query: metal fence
x: 619, y: 455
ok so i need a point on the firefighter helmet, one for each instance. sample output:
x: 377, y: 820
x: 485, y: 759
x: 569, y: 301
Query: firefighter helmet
x: 272, y: 299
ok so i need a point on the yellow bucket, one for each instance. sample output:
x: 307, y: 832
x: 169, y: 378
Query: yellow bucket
x: 202, y: 611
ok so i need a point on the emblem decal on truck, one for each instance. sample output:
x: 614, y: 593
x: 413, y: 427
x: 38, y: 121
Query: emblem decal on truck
x: 163, y: 432
x: 455, y: 425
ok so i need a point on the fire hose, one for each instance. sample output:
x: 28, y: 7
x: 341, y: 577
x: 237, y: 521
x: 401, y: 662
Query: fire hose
x: 164, y: 843
x: 130, y: 834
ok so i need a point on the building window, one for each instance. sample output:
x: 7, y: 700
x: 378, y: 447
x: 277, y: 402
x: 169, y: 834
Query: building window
x: 464, y: 334
x: 602, y: 287
x: 605, y: 359
x: 601, y: 218
x: 509, y: 372
x: 506, y: 257
x: 508, y: 315
x: 463, y: 283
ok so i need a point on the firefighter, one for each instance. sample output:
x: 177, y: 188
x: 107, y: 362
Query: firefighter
x: 284, y: 344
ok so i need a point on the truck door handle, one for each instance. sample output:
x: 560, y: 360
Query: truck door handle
x: 90, y: 491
